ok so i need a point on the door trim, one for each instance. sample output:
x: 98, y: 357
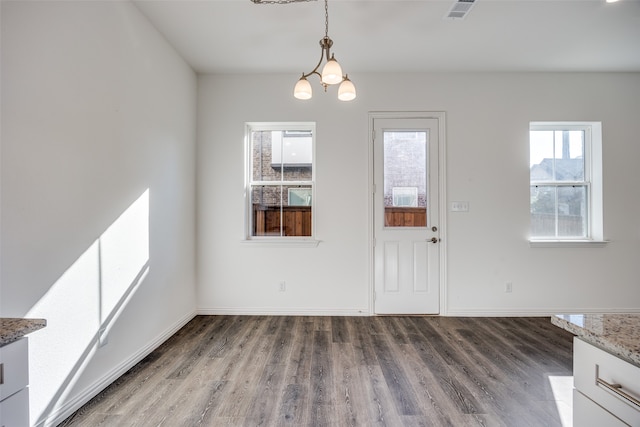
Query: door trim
x: 440, y: 116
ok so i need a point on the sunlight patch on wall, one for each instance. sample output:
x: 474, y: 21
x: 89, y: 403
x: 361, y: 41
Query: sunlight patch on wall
x: 85, y: 300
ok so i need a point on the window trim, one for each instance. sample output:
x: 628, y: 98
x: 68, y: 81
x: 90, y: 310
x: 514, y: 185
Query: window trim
x: 593, y: 180
x: 277, y: 241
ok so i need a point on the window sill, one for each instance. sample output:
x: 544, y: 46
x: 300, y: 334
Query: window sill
x: 282, y: 243
x: 568, y: 243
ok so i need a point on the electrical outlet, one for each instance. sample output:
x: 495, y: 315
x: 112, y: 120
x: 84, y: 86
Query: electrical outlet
x: 508, y: 287
x: 283, y: 286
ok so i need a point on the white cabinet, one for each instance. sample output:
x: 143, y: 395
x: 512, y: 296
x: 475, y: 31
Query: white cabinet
x: 607, y: 388
x: 14, y: 410
x: 587, y: 413
x: 14, y: 378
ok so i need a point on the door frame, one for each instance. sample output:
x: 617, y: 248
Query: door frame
x: 440, y: 116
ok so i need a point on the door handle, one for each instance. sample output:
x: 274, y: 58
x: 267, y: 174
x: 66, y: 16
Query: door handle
x: 433, y: 240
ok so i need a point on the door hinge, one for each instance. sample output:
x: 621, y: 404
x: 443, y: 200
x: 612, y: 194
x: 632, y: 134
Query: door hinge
x: 374, y: 242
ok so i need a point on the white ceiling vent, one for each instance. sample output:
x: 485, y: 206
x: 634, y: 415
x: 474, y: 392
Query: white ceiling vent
x: 460, y: 9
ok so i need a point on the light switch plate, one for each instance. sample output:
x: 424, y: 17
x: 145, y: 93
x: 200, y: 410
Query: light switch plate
x: 459, y: 206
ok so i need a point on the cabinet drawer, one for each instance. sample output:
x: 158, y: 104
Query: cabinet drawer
x: 14, y: 411
x: 607, y: 380
x: 588, y: 413
x: 14, y: 371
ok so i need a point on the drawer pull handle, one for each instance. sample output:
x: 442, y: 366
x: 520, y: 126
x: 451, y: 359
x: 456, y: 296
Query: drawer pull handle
x: 617, y: 390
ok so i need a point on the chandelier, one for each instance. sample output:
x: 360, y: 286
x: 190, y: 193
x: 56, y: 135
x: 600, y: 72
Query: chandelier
x: 331, y: 72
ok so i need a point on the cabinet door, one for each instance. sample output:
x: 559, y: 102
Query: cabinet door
x: 594, y: 369
x: 15, y: 367
x: 587, y: 413
x: 14, y: 411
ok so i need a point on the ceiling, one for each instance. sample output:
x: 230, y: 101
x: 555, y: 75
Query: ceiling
x: 238, y: 36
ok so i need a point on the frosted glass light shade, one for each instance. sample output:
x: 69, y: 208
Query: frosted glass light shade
x: 346, y: 91
x: 303, y: 89
x: 332, y: 72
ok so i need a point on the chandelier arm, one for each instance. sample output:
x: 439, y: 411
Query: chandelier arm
x: 315, y: 70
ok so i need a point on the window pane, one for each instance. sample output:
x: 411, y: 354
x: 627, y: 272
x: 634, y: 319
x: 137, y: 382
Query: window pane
x: 266, y: 202
x: 282, y: 155
x: 543, y: 211
x: 281, y: 210
x: 566, y: 187
x: 556, y: 155
x: 280, y: 180
x: 541, y: 155
x: 559, y: 211
x: 569, y: 155
x: 405, y: 178
x: 297, y: 210
x: 263, y: 145
x: 293, y: 151
x: 572, y: 208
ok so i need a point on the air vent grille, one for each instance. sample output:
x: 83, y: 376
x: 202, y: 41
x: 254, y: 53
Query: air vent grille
x: 460, y: 9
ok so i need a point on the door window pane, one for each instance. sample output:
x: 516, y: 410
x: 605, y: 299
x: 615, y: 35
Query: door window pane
x: 405, y: 178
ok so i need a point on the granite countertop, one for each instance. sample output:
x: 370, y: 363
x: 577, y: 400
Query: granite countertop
x: 618, y: 334
x: 12, y: 329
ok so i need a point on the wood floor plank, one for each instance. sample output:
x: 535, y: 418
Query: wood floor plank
x: 394, y: 329
x: 293, y: 409
x: 321, y: 380
x: 381, y: 407
x: 395, y: 377
x: 340, y: 330
x: 342, y: 371
x: 437, y: 407
x: 362, y: 341
x: 350, y: 399
x: 270, y: 387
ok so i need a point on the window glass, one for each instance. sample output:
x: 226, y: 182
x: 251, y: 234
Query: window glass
x: 562, y: 159
x: 280, y: 180
x: 405, y: 178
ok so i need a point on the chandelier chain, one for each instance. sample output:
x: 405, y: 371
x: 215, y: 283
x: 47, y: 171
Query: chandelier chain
x: 326, y: 18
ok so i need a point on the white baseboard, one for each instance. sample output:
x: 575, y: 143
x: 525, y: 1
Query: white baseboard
x: 533, y: 312
x: 451, y: 312
x: 76, y: 402
x: 262, y: 311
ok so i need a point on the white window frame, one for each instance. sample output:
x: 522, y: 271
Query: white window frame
x: 593, y: 179
x: 302, y: 241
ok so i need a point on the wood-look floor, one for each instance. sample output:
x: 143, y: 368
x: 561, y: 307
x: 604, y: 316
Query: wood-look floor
x: 342, y: 371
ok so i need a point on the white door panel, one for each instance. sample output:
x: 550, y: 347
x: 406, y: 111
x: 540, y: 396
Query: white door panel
x: 406, y: 212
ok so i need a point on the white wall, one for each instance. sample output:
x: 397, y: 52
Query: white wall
x: 487, y: 165
x: 98, y: 191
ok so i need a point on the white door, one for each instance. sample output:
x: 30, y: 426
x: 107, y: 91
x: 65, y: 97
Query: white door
x: 406, y: 215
